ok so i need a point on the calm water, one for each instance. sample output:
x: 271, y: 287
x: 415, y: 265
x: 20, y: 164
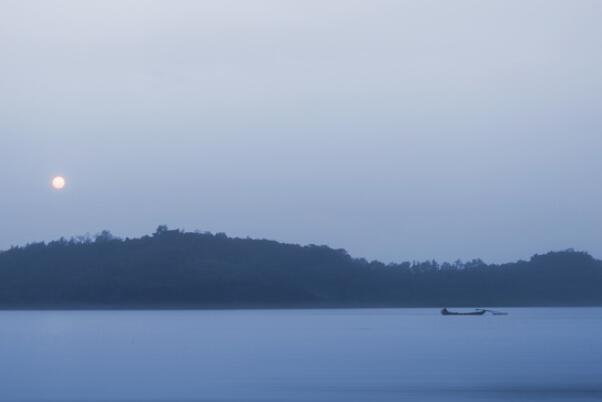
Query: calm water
x: 301, y: 355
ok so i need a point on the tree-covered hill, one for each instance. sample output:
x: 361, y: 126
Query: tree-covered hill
x: 173, y: 269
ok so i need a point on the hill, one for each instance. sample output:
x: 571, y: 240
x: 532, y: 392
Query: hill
x: 174, y: 269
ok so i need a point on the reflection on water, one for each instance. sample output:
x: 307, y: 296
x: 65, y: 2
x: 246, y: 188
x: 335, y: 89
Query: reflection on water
x: 301, y: 355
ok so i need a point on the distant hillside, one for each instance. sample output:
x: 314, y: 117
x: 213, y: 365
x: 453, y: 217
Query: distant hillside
x: 173, y: 269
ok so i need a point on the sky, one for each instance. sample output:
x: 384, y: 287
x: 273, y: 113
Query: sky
x: 398, y: 130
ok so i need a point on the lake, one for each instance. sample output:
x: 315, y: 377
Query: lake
x: 533, y: 354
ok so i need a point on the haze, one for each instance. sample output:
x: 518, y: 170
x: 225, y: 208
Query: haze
x: 395, y: 129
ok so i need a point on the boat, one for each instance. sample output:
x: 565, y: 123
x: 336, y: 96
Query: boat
x: 445, y: 311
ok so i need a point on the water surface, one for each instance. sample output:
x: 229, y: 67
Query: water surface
x: 533, y: 354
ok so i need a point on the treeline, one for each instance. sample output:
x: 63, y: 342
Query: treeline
x: 173, y: 269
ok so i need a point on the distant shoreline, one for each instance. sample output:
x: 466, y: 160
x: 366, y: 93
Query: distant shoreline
x: 175, y: 270
x: 307, y: 307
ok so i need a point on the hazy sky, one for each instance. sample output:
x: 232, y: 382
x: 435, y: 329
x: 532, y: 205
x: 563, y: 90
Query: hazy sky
x: 395, y: 129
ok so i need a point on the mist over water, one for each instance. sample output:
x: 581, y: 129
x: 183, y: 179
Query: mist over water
x: 533, y: 354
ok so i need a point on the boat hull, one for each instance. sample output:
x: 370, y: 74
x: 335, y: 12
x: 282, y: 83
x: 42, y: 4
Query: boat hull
x: 470, y: 313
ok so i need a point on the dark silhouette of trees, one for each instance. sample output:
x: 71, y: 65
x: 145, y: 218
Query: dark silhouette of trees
x: 175, y: 269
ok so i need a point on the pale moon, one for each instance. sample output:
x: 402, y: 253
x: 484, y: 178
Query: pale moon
x: 58, y: 183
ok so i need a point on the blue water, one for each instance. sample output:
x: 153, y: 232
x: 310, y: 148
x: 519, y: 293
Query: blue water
x: 301, y: 355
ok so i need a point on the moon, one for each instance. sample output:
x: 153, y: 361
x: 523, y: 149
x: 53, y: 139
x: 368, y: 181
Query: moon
x: 58, y: 183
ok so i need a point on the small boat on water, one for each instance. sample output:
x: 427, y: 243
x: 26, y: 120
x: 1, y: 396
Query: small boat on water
x: 480, y: 311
